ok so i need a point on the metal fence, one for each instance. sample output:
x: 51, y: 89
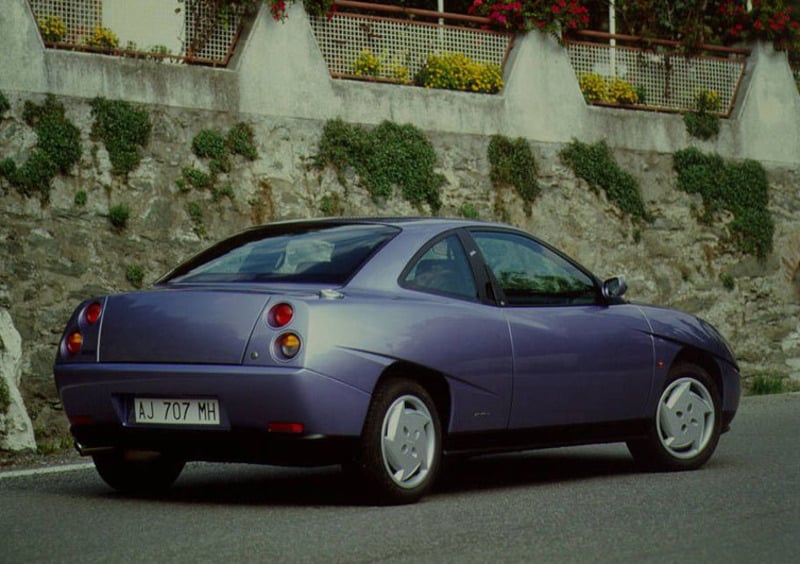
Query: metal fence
x: 206, y: 36
x: 401, y: 45
x: 669, y: 79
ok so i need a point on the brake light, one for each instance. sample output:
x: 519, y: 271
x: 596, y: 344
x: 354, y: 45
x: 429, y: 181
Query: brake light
x: 74, y: 342
x: 280, y: 315
x: 92, y: 313
x: 288, y: 345
x: 285, y: 427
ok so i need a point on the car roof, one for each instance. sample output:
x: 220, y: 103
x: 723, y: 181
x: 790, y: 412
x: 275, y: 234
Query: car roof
x: 401, y: 222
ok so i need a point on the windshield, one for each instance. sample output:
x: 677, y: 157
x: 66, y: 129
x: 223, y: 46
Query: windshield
x: 320, y: 254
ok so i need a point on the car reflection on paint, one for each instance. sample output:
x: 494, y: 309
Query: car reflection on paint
x: 383, y: 345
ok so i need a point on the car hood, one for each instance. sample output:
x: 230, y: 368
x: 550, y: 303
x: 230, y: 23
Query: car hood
x: 688, y: 329
x: 179, y: 325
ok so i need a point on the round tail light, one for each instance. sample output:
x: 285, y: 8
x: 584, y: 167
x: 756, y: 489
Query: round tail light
x: 288, y: 345
x: 280, y: 315
x: 74, y: 342
x: 92, y: 313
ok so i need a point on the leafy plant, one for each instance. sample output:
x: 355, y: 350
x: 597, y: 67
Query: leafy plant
x: 551, y: 16
x: 52, y: 28
x: 241, y: 141
x: 57, y: 149
x: 762, y: 385
x: 703, y: 123
x: 118, y: 216
x: 123, y: 129
x: 469, y: 211
x: 209, y: 144
x: 456, y: 71
x: 135, y: 275
x: 727, y: 280
x: 80, y: 198
x: 741, y: 188
x: 196, y: 178
x: 386, y: 156
x: 367, y: 64
x: 195, y: 211
x: 512, y: 163
x: 4, y: 104
x: 5, y: 396
x: 102, y: 38
x: 596, y: 165
x: 331, y: 205
x: 595, y: 88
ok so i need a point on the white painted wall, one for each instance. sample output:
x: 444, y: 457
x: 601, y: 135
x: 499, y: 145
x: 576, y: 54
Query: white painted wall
x: 146, y: 22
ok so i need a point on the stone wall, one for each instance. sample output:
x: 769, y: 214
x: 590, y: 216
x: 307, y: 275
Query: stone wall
x: 55, y: 255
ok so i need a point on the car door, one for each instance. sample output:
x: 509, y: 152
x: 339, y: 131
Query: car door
x: 577, y: 358
x: 472, y: 342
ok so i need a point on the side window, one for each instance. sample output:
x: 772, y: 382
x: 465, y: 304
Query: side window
x: 443, y: 269
x: 531, y: 274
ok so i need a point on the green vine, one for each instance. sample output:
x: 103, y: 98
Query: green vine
x: 57, y: 149
x: 739, y: 187
x: 384, y: 157
x: 118, y: 216
x: 123, y: 129
x: 213, y: 145
x: 596, y: 165
x: 135, y: 275
x: 512, y: 163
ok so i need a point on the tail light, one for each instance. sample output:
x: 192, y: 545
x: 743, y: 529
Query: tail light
x: 73, y: 343
x: 287, y: 345
x: 280, y: 315
x: 92, y: 313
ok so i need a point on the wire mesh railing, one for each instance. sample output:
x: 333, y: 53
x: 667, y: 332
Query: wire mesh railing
x: 665, y: 78
x: 198, y: 31
x: 400, y: 46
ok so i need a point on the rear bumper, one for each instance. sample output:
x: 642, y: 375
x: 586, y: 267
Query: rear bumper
x: 98, y: 399
x: 259, y: 447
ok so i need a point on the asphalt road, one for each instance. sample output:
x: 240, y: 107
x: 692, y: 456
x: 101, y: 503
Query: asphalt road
x: 568, y: 505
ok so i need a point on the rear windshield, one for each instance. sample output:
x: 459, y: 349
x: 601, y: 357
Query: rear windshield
x: 327, y: 254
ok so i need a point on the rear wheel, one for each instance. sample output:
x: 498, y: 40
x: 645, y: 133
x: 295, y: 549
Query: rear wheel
x: 686, y: 425
x: 139, y: 474
x: 400, y: 451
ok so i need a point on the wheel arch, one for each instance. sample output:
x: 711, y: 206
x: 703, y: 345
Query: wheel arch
x: 704, y: 360
x: 433, y: 381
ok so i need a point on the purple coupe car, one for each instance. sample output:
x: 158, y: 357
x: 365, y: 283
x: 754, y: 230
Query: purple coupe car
x: 383, y: 345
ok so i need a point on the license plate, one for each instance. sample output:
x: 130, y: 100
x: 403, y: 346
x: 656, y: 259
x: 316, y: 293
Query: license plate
x: 165, y: 411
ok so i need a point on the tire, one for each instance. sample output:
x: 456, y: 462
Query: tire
x: 400, y: 451
x: 146, y: 475
x: 687, y: 423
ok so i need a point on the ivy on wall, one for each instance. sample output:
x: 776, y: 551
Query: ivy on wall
x: 57, y: 149
x: 123, y: 129
x: 596, y: 165
x: 512, y: 163
x: 384, y: 157
x: 739, y: 187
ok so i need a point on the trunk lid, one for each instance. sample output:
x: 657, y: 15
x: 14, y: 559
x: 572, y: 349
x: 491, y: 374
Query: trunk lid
x: 180, y: 326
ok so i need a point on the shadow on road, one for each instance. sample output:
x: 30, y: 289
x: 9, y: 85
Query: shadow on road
x: 259, y: 485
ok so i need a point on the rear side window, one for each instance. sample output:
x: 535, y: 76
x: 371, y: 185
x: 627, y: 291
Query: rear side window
x: 443, y: 269
x: 328, y: 254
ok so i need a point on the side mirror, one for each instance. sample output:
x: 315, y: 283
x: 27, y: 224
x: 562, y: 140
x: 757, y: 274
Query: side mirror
x: 614, y: 287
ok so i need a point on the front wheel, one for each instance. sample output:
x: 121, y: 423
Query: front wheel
x: 400, y: 450
x: 138, y: 475
x: 686, y: 425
